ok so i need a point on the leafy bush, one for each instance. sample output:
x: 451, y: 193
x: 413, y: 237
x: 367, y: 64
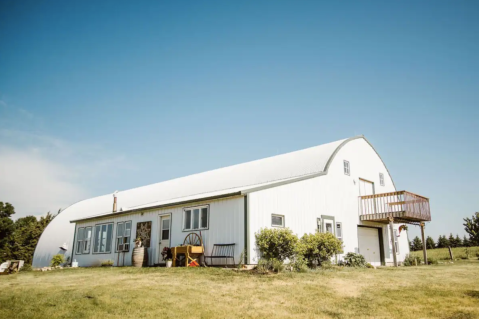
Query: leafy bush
x: 368, y: 265
x: 26, y: 267
x: 411, y: 260
x: 107, y: 263
x: 276, y: 243
x: 300, y: 264
x: 319, y: 247
x: 355, y: 260
x: 57, y: 260
x: 432, y: 261
x: 266, y: 265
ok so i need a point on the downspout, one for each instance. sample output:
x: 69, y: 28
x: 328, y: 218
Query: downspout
x: 246, y: 257
x: 73, y: 246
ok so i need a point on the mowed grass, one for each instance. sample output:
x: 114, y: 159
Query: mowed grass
x: 443, y: 253
x: 439, y: 291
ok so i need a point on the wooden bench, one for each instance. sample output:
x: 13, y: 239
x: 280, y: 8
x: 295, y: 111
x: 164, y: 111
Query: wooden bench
x: 225, y: 251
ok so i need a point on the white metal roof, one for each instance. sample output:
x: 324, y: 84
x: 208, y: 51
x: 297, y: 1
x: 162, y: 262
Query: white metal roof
x: 236, y: 178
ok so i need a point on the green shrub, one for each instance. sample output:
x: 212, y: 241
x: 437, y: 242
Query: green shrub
x: 368, y: 265
x: 107, y: 263
x: 57, y: 260
x: 432, y: 261
x: 276, y: 243
x: 267, y: 265
x: 319, y: 247
x: 300, y: 264
x: 411, y: 260
x: 355, y: 260
x: 26, y: 267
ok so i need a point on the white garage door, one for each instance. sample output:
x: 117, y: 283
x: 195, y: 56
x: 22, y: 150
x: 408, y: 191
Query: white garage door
x: 369, y: 245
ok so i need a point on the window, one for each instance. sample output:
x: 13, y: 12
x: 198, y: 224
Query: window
x: 328, y: 227
x: 83, y: 240
x: 165, y: 229
x: 339, y: 231
x: 381, y: 179
x: 319, y: 229
x: 346, y: 168
x: 195, y: 218
x: 396, y: 243
x: 277, y: 220
x: 103, y: 236
x: 123, y: 235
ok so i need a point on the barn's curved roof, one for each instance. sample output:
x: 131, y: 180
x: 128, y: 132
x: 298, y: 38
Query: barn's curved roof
x: 237, y: 178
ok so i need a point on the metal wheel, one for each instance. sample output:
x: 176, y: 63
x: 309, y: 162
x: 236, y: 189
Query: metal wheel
x: 193, y: 239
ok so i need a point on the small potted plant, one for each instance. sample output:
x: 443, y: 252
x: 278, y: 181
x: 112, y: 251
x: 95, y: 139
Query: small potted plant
x: 166, y: 253
x: 138, y: 242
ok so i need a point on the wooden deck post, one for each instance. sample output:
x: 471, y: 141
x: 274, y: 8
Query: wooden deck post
x: 424, y: 251
x: 393, y: 241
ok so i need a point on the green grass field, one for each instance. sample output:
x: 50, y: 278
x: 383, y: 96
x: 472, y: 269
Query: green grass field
x: 443, y: 253
x: 440, y: 291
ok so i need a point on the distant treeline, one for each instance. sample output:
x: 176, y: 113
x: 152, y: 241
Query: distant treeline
x: 442, y: 242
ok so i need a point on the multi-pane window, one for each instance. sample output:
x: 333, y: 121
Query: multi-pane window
x: 195, y: 218
x: 339, y: 231
x: 83, y: 240
x: 346, y: 168
x: 123, y: 235
x: 277, y: 220
x: 396, y: 243
x: 381, y: 179
x: 319, y: 225
x: 103, y: 238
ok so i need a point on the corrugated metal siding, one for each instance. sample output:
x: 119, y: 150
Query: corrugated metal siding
x: 334, y: 194
x: 226, y: 225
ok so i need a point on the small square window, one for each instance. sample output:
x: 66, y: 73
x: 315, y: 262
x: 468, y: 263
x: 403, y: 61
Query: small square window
x: 346, y: 168
x: 277, y: 220
x: 381, y: 179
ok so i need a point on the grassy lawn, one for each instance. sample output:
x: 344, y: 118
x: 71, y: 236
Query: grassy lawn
x: 440, y: 291
x: 443, y: 253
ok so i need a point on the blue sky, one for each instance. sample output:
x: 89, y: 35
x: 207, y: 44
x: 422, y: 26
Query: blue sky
x: 103, y: 95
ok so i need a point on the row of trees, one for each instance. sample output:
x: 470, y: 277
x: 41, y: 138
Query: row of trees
x: 442, y: 242
x: 471, y: 226
x: 18, y: 239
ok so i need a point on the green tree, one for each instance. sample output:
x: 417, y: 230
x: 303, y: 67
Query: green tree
x: 430, y: 244
x: 471, y: 225
x: 417, y: 243
x: 458, y: 241
x: 442, y: 242
x: 6, y: 229
x: 465, y: 242
x: 452, y: 240
x: 25, y: 236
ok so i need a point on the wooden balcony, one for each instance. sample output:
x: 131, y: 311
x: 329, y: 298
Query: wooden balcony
x: 404, y: 207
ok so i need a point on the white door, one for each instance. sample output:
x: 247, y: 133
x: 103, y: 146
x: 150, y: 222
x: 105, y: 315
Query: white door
x: 366, y: 187
x: 369, y: 245
x: 165, y: 226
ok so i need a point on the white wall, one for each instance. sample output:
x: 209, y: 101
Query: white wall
x: 226, y: 225
x: 334, y: 194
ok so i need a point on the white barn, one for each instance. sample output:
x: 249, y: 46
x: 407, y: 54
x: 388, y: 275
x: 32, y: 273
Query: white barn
x: 341, y: 187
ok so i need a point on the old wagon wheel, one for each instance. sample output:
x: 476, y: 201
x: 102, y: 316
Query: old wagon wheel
x: 193, y: 239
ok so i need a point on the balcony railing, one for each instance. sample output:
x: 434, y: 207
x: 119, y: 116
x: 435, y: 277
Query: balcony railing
x: 402, y: 206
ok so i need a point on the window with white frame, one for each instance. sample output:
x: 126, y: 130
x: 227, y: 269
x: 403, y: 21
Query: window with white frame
x: 346, y: 168
x: 381, y: 179
x: 396, y: 243
x: 319, y: 228
x: 103, y: 238
x: 195, y: 218
x: 123, y: 235
x: 339, y: 231
x: 277, y: 220
x: 83, y: 240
